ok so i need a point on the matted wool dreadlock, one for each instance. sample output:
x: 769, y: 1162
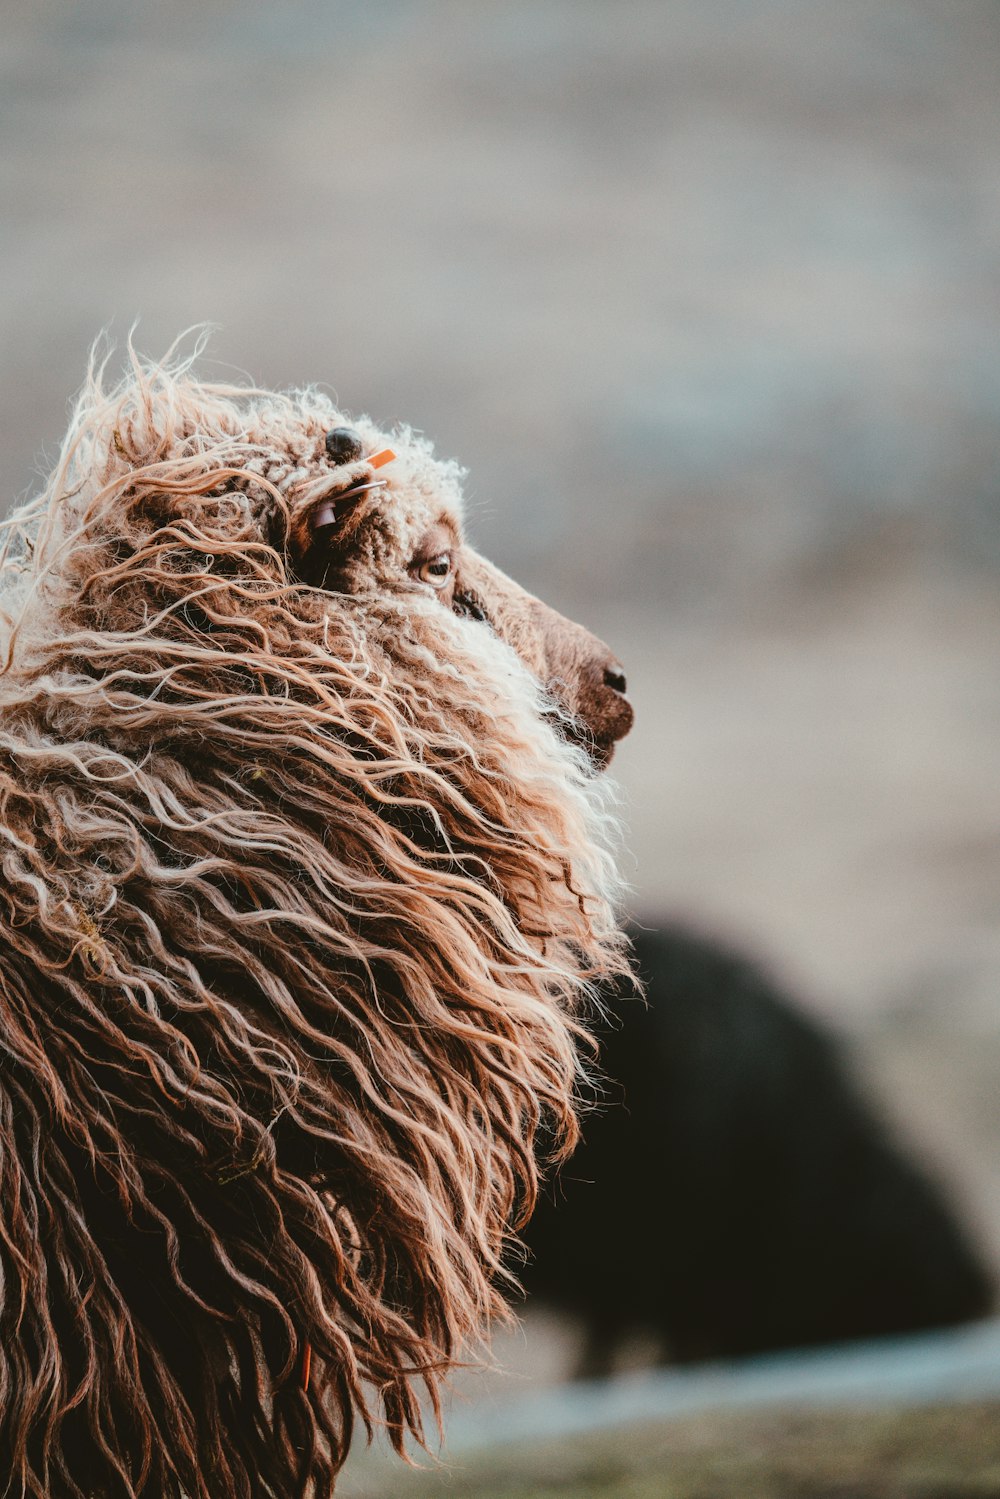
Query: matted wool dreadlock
x: 304, y: 874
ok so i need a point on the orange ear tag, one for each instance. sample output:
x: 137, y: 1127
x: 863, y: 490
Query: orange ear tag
x: 378, y: 459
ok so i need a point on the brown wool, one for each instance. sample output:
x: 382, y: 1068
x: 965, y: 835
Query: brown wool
x: 304, y: 877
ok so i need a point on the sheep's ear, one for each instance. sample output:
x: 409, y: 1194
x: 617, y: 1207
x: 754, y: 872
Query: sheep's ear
x: 326, y: 517
x: 322, y: 531
x: 334, y: 513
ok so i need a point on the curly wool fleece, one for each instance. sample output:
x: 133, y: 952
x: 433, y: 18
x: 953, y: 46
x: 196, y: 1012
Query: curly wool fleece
x: 300, y: 890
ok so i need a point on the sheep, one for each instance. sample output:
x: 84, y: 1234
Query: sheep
x: 307, y: 874
x: 736, y: 1192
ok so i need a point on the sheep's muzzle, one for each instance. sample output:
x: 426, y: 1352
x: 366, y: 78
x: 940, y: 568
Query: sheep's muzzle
x: 578, y: 669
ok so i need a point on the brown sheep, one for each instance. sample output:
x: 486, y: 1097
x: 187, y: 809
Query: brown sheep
x: 305, y: 873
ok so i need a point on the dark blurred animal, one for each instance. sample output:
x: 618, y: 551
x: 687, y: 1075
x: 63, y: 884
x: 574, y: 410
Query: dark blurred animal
x: 735, y: 1193
x: 303, y: 874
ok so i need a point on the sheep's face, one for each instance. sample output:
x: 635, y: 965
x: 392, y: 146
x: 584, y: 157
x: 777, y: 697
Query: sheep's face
x: 406, y: 537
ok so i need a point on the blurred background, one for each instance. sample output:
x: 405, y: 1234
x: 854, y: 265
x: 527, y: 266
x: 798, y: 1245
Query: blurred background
x: 705, y: 295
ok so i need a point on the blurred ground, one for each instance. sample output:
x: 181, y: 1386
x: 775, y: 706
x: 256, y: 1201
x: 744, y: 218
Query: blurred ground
x: 943, y: 1453
x: 705, y: 294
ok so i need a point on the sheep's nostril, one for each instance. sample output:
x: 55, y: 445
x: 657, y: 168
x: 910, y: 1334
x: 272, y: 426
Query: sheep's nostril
x: 614, y: 678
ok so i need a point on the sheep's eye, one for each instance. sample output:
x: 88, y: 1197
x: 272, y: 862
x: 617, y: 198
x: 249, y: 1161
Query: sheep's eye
x: 434, y: 570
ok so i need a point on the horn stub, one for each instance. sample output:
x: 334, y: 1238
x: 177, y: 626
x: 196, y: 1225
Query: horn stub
x: 343, y: 445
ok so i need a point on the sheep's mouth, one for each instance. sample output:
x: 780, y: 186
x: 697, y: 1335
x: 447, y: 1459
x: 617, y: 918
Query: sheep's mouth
x: 596, y: 725
x: 598, y: 749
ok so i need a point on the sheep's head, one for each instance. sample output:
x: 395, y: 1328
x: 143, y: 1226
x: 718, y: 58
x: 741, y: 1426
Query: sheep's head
x: 304, y: 878
x: 403, y: 533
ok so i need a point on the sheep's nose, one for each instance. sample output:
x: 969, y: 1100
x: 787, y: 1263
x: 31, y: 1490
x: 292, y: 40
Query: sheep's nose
x: 614, y: 677
x: 604, y: 707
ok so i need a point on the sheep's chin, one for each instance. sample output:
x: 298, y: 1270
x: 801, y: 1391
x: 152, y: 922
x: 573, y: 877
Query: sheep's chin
x: 576, y: 731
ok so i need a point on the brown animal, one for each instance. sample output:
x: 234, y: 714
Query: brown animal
x: 304, y: 876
